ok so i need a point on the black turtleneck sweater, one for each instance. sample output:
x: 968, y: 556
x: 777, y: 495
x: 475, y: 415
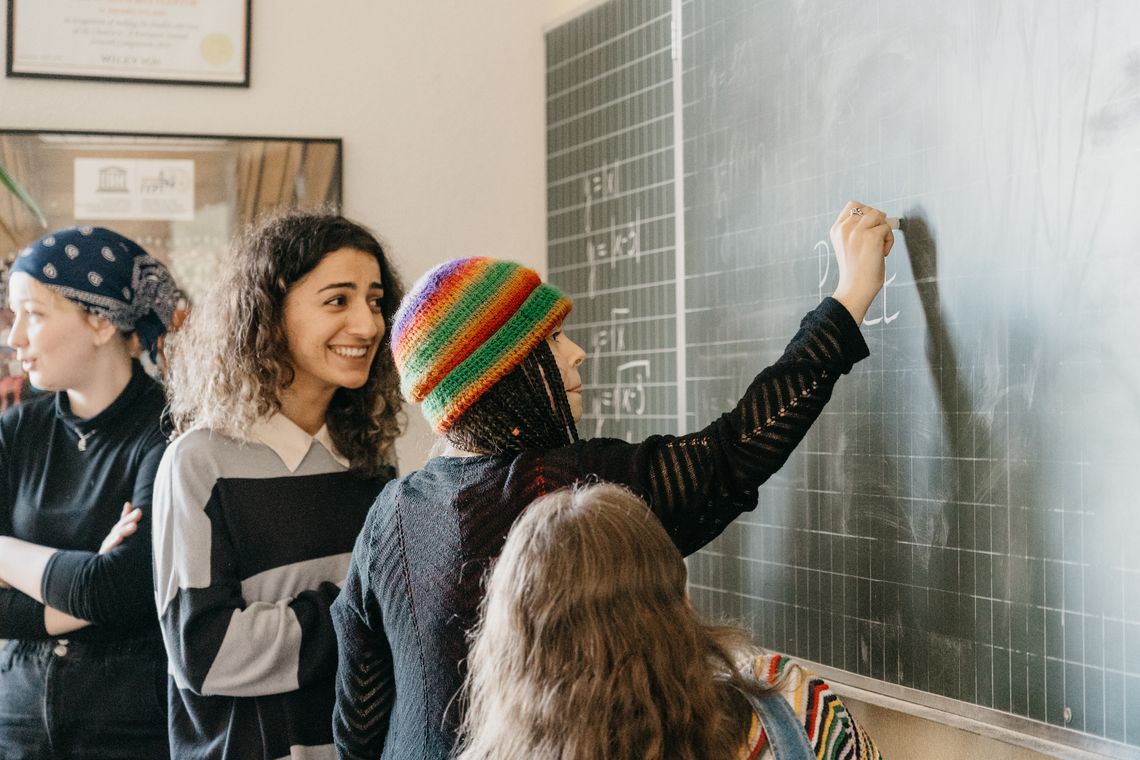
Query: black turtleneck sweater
x: 54, y: 494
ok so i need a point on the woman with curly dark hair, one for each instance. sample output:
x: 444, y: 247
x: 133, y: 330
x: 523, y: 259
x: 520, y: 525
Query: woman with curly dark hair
x: 284, y: 392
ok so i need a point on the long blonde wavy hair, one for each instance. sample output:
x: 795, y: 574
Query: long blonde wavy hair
x: 588, y: 646
x: 230, y: 362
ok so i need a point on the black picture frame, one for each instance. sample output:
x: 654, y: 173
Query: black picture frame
x: 15, y: 68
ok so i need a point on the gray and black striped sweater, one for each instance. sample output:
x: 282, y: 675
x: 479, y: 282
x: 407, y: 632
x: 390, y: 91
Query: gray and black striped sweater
x: 249, y: 556
x: 415, y: 582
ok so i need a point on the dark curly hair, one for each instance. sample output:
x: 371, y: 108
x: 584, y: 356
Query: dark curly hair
x: 231, y: 361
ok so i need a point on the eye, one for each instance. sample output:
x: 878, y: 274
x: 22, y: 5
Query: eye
x: 376, y: 303
x: 336, y: 301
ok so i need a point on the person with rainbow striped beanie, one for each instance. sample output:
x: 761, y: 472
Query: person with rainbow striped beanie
x: 478, y: 343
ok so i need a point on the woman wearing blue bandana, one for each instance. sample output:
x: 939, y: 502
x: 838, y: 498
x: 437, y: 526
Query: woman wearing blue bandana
x: 83, y: 674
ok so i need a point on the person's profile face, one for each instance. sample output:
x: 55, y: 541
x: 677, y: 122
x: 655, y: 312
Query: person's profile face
x: 53, y: 338
x: 569, y: 356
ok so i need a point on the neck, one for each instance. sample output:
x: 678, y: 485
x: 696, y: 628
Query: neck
x: 110, y: 376
x: 450, y: 450
x: 306, y: 410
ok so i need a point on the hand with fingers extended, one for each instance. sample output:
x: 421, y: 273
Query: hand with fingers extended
x: 126, y: 526
x: 862, y: 239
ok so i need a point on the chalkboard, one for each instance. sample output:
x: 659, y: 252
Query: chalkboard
x: 962, y: 521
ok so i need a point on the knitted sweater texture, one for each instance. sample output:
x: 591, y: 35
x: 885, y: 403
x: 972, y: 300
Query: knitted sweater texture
x: 415, y: 581
x: 831, y: 730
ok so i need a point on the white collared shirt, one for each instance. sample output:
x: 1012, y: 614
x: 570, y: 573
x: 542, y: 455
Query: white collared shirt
x: 290, y: 442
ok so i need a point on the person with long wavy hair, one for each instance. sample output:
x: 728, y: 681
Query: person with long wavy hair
x: 286, y: 400
x: 479, y: 345
x: 617, y: 663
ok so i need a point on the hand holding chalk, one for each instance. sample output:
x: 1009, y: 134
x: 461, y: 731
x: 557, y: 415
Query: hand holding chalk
x: 861, y: 237
x: 896, y: 223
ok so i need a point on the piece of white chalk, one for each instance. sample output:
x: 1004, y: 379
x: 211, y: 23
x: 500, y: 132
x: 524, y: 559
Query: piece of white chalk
x: 894, y: 222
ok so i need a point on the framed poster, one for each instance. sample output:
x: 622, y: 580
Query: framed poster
x: 167, y: 41
x: 182, y: 197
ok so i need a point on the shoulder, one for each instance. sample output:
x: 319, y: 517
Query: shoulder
x: 36, y: 412
x: 424, y: 499
x: 777, y: 668
x: 197, y: 458
x: 396, y: 492
x: 199, y: 444
x: 831, y: 730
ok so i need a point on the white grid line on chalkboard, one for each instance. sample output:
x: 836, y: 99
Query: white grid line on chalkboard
x: 567, y: 268
x: 554, y: 95
x: 624, y: 98
x: 607, y: 136
x: 578, y: 236
x: 569, y: 178
x: 608, y: 41
x: 562, y: 210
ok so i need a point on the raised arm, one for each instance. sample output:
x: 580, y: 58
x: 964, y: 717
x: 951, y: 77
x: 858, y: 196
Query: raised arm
x: 698, y: 483
x: 216, y: 642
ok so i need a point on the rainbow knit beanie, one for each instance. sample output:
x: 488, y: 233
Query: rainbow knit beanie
x: 466, y: 324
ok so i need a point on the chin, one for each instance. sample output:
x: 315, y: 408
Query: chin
x: 43, y: 383
x: 353, y: 382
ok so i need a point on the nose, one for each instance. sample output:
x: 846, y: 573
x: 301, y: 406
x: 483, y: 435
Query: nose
x: 577, y: 353
x: 363, y: 322
x: 18, y: 333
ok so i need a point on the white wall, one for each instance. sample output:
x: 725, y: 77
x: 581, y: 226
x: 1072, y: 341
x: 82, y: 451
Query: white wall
x: 440, y: 105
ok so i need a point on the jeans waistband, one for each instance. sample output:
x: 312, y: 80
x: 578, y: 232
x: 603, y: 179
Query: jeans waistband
x: 61, y: 645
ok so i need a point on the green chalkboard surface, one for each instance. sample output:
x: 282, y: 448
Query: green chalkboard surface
x: 963, y: 521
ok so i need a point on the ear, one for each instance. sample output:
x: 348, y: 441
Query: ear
x: 101, y: 330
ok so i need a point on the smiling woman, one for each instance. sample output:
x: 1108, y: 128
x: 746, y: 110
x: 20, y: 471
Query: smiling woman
x: 334, y: 323
x: 284, y: 392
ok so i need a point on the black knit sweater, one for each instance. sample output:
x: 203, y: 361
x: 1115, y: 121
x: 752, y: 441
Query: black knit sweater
x: 415, y: 582
x: 54, y: 494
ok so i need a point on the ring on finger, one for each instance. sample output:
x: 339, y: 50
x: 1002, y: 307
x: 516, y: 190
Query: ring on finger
x: 857, y: 211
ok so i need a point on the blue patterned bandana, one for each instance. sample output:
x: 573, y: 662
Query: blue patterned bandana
x: 108, y: 275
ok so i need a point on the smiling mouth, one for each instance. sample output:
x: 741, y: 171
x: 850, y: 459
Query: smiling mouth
x: 350, y: 353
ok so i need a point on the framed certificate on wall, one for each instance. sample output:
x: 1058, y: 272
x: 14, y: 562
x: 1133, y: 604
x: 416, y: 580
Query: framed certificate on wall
x: 167, y: 41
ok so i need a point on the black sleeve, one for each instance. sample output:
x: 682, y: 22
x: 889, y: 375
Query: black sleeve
x: 116, y: 588
x: 21, y: 617
x: 698, y: 483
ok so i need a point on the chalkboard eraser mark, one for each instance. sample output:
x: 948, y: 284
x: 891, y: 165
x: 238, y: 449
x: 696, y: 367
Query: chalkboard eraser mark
x: 896, y: 223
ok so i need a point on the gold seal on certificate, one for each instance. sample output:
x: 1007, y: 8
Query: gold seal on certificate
x: 217, y: 49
